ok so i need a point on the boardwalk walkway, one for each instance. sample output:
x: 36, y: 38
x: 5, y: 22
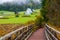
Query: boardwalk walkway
x: 38, y: 35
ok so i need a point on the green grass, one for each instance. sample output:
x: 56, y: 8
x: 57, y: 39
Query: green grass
x: 12, y: 19
x: 17, y: 20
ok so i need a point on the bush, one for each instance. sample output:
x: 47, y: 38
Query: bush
x: 39, y: 21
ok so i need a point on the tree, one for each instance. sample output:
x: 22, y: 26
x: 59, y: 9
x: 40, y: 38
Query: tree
x: 10, y: 7
x: 53, y: 11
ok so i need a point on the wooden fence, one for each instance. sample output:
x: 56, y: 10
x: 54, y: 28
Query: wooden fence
x: 19, y: 34
x: 51, y: 33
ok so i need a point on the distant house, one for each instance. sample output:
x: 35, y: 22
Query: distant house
x: 28, y: 11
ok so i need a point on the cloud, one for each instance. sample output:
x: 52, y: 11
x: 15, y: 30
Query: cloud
x: 2, y: 1
x: 19, y: 1
x: 37, y: 1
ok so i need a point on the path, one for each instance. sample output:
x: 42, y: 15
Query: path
x: 38, y: 35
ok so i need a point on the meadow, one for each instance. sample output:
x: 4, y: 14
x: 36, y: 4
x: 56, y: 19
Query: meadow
x: 10, y: 17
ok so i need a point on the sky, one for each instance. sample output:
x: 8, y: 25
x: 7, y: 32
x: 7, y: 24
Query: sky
x: 2, y: 1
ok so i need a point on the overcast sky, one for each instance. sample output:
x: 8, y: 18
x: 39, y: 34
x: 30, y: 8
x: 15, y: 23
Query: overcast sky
x: 2, y: 1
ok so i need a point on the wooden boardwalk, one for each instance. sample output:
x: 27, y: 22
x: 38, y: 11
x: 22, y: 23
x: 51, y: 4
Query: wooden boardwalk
x: 38, y: 35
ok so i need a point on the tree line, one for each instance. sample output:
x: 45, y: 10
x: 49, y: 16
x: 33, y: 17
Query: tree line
x: 17, y: 8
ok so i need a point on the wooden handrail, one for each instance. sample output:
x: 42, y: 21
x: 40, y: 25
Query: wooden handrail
x: 51, y: 34
x: 53, y: 29
x: 20, y: 29
x: 9, y: 34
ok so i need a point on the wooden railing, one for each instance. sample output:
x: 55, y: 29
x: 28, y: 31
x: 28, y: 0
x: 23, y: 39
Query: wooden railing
x: 19, y: 34
x: 51, y: 33
x: 23, y: 33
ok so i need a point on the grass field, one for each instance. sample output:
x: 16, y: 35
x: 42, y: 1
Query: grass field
x: 12, y: 19
x: 13, y: 23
